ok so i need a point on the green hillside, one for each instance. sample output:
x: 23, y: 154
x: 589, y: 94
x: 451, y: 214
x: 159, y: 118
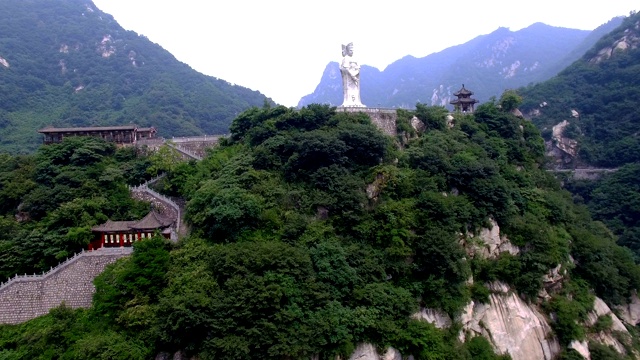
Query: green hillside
x: 66, y: 63
x: 312, y: 232
x: 603, y: 88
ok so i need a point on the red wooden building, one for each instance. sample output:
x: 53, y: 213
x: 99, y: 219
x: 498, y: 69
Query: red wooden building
x: 125, y: 233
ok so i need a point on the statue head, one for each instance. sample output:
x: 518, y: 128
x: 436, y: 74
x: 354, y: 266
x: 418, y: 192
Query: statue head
x: 347, y: 49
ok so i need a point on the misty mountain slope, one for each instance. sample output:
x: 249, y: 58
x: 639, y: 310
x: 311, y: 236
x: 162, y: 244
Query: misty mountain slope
x: 66, y: 63
x: 487, y: 65
x: 597, y: 96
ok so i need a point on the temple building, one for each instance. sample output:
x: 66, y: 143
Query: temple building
x: 127, y: 134
x: 464, y: 103
x: 125, y: 233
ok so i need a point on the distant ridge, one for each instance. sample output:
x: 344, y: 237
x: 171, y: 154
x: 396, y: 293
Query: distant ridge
x: 488, y: 65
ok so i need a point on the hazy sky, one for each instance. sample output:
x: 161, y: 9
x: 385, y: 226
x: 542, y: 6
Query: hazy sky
x: 281, y: 48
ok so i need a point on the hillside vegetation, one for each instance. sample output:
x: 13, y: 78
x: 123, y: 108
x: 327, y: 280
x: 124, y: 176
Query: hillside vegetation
x: 602, y: 88
x: 312, y: 232
x: 66, y: 63
x: 50, y: 200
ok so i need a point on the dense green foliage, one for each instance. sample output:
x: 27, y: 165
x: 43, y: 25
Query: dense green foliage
x: 50, y: 200
x: 313, y: 232
x: 602, y: 87
x: 615, y: 200
x: 71, y: 64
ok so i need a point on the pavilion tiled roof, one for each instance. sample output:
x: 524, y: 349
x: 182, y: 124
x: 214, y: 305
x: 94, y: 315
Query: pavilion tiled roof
x: 463, y: 91
x: 114, y: 226
x: 152, y: 221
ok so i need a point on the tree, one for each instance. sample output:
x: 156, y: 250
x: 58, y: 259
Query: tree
x: 510, y: 100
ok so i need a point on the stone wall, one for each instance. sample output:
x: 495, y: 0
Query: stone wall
x: 162, y: 205
x: 384, y: 119
x: 26, y: 297
x: 196, y: 144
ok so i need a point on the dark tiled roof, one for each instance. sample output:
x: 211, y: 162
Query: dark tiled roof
x: 463, y: 100
x: 152, y: 221
x: 463, y: 91
x: 114, y: 226
x: 51, y: 129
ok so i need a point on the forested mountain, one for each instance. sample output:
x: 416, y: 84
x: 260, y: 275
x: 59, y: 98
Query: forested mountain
x: 313, y: 232
x: 589, y: 118
x: 597, y: 95
x: 488, y: 65
x: 66, y: 63
x: 56, y: 195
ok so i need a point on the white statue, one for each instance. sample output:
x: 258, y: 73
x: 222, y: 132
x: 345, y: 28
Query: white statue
x: 350, y: 71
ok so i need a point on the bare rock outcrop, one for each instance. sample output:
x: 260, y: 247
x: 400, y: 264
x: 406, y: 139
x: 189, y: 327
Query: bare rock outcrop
x: 417, y: 125
x: 489, y: 244
x: 562, y: 147
x: 582, y: 347
x: 600, y: 308
x: 369, y: 352
x: 629, y: 41
x: 373, y: 190
x: 512, y: 326
x: 630, y: 312
x: 436, y: 317
x: 553, y: 279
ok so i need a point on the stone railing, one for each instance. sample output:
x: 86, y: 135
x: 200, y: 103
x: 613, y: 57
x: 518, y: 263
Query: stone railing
x: 154, y: 180
x: 204, y: 138
x: 145, y: 188
x: 25, y: 297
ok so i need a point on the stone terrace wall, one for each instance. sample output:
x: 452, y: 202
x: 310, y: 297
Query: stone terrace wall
x: 26, y: 297
x: 384, y: 119
x: 196, y: 145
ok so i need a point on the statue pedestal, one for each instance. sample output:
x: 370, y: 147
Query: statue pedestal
x: 384, y: 119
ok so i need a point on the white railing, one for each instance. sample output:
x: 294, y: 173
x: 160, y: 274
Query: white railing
x: 62, y: 265
x: 145, y: 188
x: 203, y: 138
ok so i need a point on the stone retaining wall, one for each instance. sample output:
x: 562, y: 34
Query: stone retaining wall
x: 384, y: 119
x: 26, y: 297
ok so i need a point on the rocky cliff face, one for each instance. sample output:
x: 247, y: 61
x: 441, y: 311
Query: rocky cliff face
x: 562, y: 148
x: 511, y: 325
x: 489, y: 244
x: 630, y: 312
x: 628, y: 41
